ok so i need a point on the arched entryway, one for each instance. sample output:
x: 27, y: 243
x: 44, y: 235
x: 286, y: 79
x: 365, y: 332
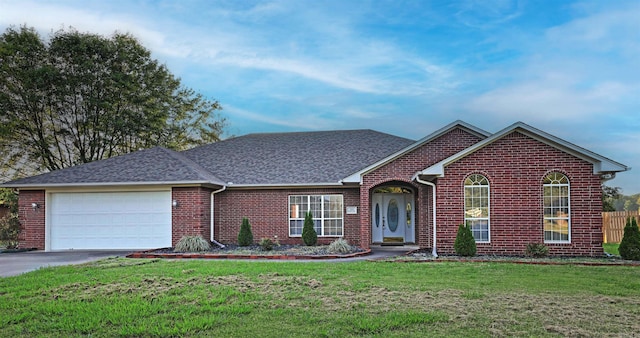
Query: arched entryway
x: 393, y: 214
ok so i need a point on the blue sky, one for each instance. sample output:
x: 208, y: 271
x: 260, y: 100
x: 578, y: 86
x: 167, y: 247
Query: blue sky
x: 570, y: 68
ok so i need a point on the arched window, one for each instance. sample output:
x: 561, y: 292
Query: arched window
x: 557, y: 213
x: 476, y: 206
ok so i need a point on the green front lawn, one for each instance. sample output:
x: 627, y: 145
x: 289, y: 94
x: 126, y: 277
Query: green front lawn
x: 127, y: 297
x: 611, y: 248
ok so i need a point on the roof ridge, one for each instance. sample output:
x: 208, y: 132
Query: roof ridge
x: 310, y: 132
x: 204, y: 173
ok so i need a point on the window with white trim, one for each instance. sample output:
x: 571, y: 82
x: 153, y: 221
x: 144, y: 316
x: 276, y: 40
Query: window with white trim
x: 556, y: 206
x: 327, y: 212
x: 476, y: 207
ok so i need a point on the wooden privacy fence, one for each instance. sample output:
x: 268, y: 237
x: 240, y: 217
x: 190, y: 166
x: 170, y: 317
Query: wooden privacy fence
x: 613, y: 223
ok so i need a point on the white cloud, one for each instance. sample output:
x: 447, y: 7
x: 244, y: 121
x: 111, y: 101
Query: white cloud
x: 284, y: 120
x: 546, y: 100
x: 566, y: 76
x: 616, y: 28
x: 47, y: 17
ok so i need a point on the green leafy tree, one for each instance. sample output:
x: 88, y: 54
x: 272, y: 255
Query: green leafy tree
x: 630, y: 245
x: 79, y: 97
x: 609, y: 196
x: 465, y: 244
x: 10, y: 224
x: 630, y: 205
x: 309, y: 235
x: 245, y: 236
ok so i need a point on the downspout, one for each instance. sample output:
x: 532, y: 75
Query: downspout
x: 212, y: 222
x: 433, y: 209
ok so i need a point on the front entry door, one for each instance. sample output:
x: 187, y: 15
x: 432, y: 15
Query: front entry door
x: 389, y: 217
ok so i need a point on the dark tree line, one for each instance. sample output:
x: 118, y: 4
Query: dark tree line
x: 614, y: 200
x: 79, y: 97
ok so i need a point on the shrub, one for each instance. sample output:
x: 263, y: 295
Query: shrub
x: 630, y: 245
x: 537, y: 250
x: 10, y: 224
x: 245, y: 237
x: 340, y: 245
x: 309, y: 235
x: 9, y: 230
x: 465, y: 244
x: 267, y: 244
x: 192, y: 244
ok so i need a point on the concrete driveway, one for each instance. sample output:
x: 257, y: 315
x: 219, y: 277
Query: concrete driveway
x: 12, y: 264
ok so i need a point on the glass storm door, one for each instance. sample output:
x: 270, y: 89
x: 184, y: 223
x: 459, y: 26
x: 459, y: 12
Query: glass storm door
x: 389, y: 218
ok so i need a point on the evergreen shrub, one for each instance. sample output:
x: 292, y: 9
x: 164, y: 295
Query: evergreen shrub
x: 309, y: 235
x: 245, y: 236
x: 630, y: 245
x: 465, y: 244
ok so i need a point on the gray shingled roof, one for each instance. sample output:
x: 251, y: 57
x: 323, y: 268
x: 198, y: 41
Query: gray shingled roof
x: 155, y: 165
x: 295, y: 158
x: 255, y: 159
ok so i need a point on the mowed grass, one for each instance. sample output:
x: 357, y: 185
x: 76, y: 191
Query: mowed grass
x: 199, y: 298
x: 611, y: 248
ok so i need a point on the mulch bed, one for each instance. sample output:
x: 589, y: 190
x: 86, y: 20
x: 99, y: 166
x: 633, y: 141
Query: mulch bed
x: 4, y: 250
x: 282, y: 252
x: 424, y: 256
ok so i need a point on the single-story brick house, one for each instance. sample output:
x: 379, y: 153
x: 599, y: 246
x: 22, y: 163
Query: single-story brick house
x: 514, y: 187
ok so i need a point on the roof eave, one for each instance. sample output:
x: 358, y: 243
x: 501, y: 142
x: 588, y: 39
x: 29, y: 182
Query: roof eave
x: 287, y: 185
x: 111, y: 184
x: 601, y: 164
x: 436, y: 170
x: 357, y: 176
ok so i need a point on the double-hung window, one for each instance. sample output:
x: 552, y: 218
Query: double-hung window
x: 326, y: 210
x: 557, y: 215
x: 476, y: 207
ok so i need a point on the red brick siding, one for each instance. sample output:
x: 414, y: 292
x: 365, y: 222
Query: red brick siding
x: 402, y: 170
x: 268, y: 214
x: 515, y: 166
x: 32, y: 232
x: 192, y: 216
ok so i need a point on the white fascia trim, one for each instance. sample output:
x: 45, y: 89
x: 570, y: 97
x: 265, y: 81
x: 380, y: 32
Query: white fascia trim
x: 357, y: 176
x: 600, y: 163
x: 285, y: 185
x: 436, y: 170
x: 106, y: 184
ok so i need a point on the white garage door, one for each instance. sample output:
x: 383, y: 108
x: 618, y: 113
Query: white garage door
x: 110, y: 220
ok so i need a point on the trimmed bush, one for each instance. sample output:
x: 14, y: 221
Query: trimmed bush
x: 192, y: 244
x: 267, y: 244
x: 340, y: 245
x: 309, y: 235
x: 465, y: 244
x: 537, y: 250
x: 245, y: 236
x: 630, y: 245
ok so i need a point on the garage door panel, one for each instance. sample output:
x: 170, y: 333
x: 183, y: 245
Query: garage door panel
x: 113, y: 220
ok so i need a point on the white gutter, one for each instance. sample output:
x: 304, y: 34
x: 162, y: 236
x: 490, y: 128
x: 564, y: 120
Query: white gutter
x: 433, y: 208
x: 212, y: 221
